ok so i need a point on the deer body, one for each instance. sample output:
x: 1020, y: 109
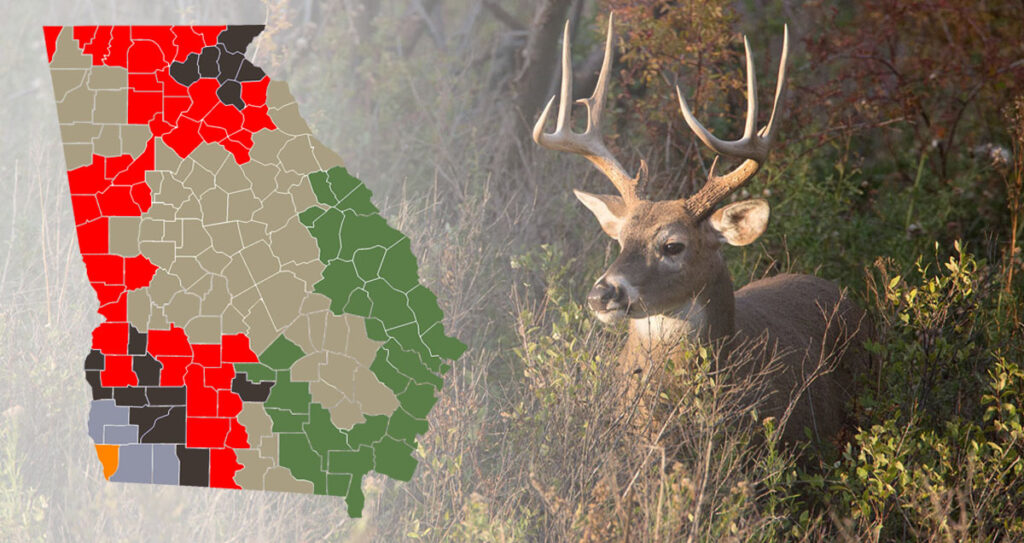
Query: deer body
x: 671, y: 281
x: 806, y: 327
x: 803, y: 322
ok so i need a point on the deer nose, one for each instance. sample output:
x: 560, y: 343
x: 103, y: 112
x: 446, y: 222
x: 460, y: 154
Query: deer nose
x: 606, y: 296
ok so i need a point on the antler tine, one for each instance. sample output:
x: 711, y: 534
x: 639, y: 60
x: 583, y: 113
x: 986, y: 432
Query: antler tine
x: 753, y: 146
x: 590, y: 143
x: 565, y: 99
x: 595, y: 104
x: 779, y: 84
x: 748, y: 130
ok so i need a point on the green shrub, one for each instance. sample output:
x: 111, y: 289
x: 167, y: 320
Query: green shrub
x: 939, y: 455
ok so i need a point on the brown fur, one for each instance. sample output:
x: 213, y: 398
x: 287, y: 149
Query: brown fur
x: 812, y: 332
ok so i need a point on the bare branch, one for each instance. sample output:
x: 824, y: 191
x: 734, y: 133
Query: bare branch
x: 503, y: 16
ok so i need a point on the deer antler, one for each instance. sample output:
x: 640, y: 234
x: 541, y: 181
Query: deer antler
x: 753, y: 147
x: 590, y: 143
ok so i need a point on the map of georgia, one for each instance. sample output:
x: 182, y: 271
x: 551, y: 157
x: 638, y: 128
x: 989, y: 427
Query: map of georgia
x: 263, y: 326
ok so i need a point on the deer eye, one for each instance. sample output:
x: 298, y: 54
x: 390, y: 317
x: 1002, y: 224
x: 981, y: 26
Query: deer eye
x: 673, y: 248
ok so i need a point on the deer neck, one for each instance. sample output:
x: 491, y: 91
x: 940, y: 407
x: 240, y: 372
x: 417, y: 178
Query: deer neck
x: 707, y: 318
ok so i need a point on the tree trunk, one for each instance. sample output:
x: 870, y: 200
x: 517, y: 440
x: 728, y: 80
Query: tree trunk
x: 540, y: 58
x: 417, y: 24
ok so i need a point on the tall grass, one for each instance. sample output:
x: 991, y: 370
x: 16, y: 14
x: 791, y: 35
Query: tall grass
x: 531, y: 440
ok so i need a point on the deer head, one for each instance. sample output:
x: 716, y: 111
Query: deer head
x: 669, y: 258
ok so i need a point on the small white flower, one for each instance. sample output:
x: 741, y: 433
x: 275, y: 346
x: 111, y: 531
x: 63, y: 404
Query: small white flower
x: 1000, y: 155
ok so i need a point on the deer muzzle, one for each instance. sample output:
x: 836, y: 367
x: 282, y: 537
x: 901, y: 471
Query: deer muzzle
x: 609, y: 300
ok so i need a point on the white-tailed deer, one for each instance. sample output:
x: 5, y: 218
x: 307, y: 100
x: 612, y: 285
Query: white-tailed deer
x: 671, y: 282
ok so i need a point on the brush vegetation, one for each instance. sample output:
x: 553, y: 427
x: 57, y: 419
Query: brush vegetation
x: 898, y: 173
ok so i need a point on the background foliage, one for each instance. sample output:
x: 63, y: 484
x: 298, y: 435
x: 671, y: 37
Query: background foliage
x: 899, y: 174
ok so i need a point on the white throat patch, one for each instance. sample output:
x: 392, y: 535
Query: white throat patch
x: 689, y: 321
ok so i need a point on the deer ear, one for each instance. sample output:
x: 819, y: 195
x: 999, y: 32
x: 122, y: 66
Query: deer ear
x: 742, y: 222
x: 610, y: 210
